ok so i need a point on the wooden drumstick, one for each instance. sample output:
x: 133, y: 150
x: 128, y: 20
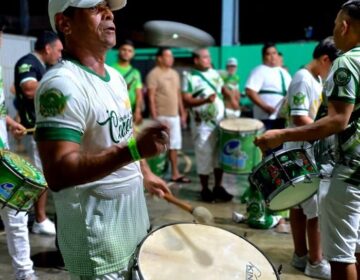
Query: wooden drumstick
x: 201, y: 214
x: 29, y: 130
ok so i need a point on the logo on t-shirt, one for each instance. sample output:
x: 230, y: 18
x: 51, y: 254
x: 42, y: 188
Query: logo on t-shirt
x: 299, y: 98
x: 23, y: 68
x: 342, y: 76
x: 120, y: 126
x: 52, y: 103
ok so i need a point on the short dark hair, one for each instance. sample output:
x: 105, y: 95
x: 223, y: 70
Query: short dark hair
x: 326, y: 47
x: 161, y: 51
x: 46, y: 37
x: 127, y: 42
x: 267, y: 46
x: 352, y: 8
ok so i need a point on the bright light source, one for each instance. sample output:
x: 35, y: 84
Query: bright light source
x: 175, y: 36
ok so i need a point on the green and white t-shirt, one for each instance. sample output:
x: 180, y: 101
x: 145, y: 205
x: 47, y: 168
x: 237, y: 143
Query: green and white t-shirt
x: 304, y: 95
x: 342, y: 85
x: 202, y: 85
x: 102, y: 222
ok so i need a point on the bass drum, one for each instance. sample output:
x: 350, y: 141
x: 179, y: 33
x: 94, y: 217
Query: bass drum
x: 193, y: 251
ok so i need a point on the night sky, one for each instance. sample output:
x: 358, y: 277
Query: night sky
x: 260, y: 21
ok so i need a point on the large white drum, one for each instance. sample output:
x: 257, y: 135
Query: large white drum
x: 189, y: 251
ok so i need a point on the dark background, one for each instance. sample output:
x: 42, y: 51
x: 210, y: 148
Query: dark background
x: 260, y: 21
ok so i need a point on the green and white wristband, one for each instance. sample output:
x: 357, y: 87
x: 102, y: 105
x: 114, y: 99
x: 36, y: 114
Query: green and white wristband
x: 133, y: 149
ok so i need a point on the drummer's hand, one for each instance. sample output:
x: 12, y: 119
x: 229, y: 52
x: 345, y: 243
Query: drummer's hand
x: 269, y: 140
x: 18, y: 130
x: 153, y: 139
x: 269, y: 109
x: 211, y: 98
x: 155, y: 185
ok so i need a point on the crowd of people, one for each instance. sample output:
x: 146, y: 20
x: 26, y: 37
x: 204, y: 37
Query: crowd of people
x: 83, y: 113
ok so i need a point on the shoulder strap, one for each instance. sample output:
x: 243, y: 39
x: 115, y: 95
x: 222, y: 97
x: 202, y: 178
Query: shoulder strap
x: 128, y: 72
x: 283, y: 87
x: 197, y: 73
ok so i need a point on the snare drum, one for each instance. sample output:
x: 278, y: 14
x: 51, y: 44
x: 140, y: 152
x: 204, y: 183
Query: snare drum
x: 286, y: 178
x: 238, y: 154
x: 21, y: 184
x: 193, y: 251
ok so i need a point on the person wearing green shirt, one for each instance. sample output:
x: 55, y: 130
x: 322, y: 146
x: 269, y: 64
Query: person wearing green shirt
x: 132, y: 77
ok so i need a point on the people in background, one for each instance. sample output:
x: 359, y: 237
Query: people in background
x: 166, y: 105
x: 132, y: 77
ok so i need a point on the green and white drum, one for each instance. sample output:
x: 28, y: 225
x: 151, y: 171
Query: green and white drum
x: 21, y: 183
x: 158, y: 164
x: 238, y: 153
x: 286, y: 178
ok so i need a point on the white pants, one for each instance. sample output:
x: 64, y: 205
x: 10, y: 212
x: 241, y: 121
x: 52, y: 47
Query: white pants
x: 32, y: 151
x: 340, y: 218
x: 17, y: 236
x: 174, y: 124
x: 231, y: 113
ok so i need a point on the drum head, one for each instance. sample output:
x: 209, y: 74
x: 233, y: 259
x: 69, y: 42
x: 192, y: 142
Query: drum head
x: 241, y: 124
x: 194, y: 251
x: 23, y: 168
x: 299, y: 191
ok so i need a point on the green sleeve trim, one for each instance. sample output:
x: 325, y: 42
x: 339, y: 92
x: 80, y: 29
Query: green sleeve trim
x: 342, y: 99
x: 61, y: 134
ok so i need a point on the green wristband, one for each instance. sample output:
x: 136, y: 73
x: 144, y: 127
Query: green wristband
x: 133, y: 149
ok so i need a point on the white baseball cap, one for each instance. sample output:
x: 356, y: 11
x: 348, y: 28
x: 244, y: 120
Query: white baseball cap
x: 58, y: 6
x: 232, y: 61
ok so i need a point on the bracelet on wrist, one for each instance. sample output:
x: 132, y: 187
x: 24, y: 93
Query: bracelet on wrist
x: 133, y: 149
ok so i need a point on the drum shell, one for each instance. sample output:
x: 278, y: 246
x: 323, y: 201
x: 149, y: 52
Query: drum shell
x: 16, y: 191
x: 293, y: 181
x: 244, y: 154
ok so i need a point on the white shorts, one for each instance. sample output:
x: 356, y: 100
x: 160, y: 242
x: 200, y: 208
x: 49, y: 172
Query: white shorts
x: 310, y: 207
x: 206, y: 150
x: 340, y: 219
x: 230, y: 113
x: 175, y: 130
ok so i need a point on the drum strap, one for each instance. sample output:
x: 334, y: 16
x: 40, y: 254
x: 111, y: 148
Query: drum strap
x: 197, y: 73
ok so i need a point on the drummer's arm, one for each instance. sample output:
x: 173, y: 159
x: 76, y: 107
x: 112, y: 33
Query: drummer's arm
x: 301, y: 120
x: 190, y: 101
x: 336, y: 121
x: 255, y: 98
x: 65, y: 165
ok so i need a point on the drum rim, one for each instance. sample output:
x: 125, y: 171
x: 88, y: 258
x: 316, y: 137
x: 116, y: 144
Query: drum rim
x: 262, y: 128
x: 137, y: 251
x: 277, y: 153
x: 297, y: 179
x: 22, y: 176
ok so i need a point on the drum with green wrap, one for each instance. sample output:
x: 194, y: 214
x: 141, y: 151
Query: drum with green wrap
x: 158, y: 164
x: 238, y: 153
x: 286, y: 178
x: 21, y: 184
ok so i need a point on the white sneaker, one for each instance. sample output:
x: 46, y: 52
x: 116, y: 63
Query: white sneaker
x: 45, y: 227
x: 299, y: 262
x: 237, y: 217
x: 321, y: 270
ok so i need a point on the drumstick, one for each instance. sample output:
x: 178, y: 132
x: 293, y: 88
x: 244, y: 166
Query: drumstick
x: 29, y: 130
x: 201, y: 214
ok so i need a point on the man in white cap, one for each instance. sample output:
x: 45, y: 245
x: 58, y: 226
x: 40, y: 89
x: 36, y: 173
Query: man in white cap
x: 85, y: 139
x: 230, y: 89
